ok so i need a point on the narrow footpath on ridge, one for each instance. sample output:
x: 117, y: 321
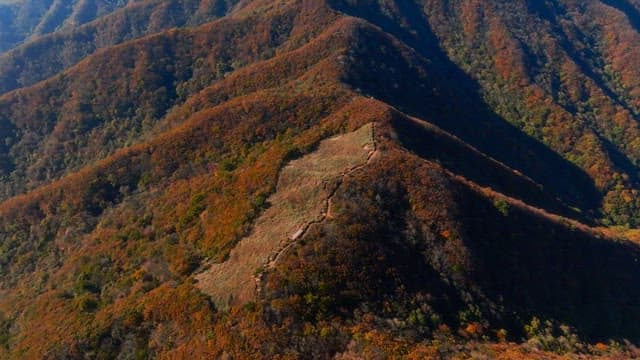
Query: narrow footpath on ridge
x: 303, y: 198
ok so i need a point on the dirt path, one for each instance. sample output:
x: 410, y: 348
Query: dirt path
x: 305, y: 190
x: 326, y: 212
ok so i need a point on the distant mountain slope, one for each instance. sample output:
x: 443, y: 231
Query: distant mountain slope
x: 39, y: 57
x: 26, y: 19
x: 76, y: 118
x: 500, y: 135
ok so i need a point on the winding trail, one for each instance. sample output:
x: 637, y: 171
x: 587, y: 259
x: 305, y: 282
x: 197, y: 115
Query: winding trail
x: 326, y: 212
x: 303, y: 197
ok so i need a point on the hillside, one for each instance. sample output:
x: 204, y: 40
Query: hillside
x: 26, y: 19
x: 37, y: 57
x: 320, y: 179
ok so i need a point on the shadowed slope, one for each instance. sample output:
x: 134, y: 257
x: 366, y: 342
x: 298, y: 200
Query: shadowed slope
x: 456, y: 107
x: 414, y: 247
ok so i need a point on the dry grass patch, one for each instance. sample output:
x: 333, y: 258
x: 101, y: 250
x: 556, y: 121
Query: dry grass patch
x: 301, y: 198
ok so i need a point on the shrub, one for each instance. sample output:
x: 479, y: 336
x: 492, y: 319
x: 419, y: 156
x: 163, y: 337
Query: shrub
x: 502, y: 206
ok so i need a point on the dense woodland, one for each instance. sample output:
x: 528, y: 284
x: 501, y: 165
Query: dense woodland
x: 141, y: 140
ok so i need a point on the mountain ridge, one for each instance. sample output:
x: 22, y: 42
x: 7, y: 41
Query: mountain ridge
x: 482, y: 226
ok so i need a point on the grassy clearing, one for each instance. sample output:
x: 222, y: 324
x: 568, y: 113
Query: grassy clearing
x: 301, y: 198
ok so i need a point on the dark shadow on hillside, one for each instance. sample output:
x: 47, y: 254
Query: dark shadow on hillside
x: 532, y: 265
x: 459, y: 158
x: 361, y: 259
x: 537, y: 267
x: 621, y: 161
x: 628, y: 9
x: 432, y: 87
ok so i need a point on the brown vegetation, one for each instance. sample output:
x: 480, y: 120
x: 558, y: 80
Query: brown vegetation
x: 506, y: 141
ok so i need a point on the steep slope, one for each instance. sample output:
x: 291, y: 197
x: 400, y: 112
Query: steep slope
x: 145, y: 184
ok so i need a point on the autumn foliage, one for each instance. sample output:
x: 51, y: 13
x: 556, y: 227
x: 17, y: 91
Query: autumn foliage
x: 142, y: 146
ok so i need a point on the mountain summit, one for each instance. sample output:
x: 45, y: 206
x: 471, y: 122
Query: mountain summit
x: 203, y: 179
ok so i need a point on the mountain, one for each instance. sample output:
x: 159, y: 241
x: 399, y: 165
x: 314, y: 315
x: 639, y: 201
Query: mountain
x: 24, y: 20
x: 319, y: 179
x: 51, y: 52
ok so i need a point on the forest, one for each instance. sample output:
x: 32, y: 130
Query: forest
x: 494, y: 215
